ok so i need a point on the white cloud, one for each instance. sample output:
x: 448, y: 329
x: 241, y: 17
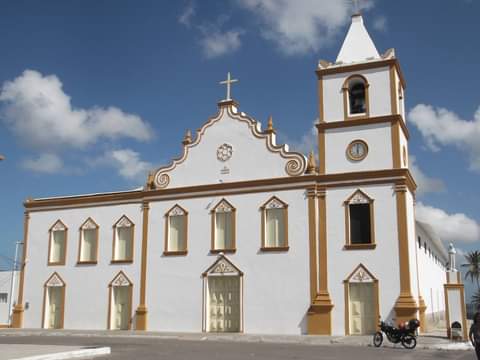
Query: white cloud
x: 380, y: 23
x: 187, y: 14
x: 425, y: 183
x: 215, y: 42
x: 127, y: 163
x: 44, y: 163
x: 40, y: 113
x: 301, y: 26
x: 441, y: 127
x: 450, y: 227
x: 307, y: 143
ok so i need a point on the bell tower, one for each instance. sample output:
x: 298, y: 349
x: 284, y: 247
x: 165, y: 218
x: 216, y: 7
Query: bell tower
x: 361, y: 107
x: 363, y: 146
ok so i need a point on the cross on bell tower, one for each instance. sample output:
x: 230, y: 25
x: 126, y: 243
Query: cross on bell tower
x: 229, y: 83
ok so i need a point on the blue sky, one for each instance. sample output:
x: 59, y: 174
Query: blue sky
x: 71, y: 69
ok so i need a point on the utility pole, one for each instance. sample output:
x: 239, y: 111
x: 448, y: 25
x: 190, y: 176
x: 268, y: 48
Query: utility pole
x: 12, y: 283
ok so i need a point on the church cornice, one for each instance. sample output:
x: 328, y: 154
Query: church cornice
x: 388, y: 176
x: 365, y: 121
x: 340, y: 69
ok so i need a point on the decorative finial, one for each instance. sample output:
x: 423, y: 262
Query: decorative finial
x: 188, y: 138
x: 270, y: 129
x: 312, y: 165
x: 150, y: 181
x: 451, y: 249
x: 229, y: 83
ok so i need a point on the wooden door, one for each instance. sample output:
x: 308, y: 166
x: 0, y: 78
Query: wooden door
x: 55, y: 307
x: 362, y: 308
x: 121, y: 308
x: 223, y: 304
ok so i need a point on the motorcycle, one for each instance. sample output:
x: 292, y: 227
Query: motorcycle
x: 406, y: 334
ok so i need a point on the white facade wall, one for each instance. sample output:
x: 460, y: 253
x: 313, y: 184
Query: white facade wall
x: 246, y: 149
x: 379, y: 140
x: 276, y: 287
x: 87, y: 292
x: 379, y: 93
x: 5, y: 288
x: 382, y: 262
x: 432, y: 276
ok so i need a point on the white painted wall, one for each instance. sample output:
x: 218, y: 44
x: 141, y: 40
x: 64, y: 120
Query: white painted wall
x: 86, y: 298
x: 250, y: 159
x: 5, y: 287
x: 379, y: 93
x: 455, y: 305
x: 378, y: 138
x: 276, y: 286
x: 432, y: 276
x: 382, y: 262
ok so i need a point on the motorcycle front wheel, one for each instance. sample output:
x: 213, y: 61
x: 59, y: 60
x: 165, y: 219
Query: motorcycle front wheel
x: 409, y: 342
x: 377, y: 339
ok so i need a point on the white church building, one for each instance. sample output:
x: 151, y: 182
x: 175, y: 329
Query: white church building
x: 240, y: 234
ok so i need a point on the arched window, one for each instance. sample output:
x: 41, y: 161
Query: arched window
x: 176, y: 231
x: 57, y: 248
x: 123, y: 231
x: 274, y: 225
x: 88, y: 245
x: 223, y: 227
x: 359, y: 221
x: 356, y: 96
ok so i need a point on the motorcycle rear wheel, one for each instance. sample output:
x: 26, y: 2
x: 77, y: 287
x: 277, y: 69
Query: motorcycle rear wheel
x: 409, y: 342
x: 377, y: 339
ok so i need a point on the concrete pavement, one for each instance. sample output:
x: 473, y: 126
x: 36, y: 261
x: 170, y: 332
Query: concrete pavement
x: 432, y: 341
x: 49, y: 352
x: 133, y: 347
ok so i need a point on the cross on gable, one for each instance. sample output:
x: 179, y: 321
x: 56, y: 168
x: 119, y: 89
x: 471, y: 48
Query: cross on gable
x: 229, y: 83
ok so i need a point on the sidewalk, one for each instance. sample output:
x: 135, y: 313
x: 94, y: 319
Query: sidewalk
x: 49, y: 352
x: 432, y: 341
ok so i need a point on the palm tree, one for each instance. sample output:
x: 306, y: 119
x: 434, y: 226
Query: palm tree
x: 473, y: 267
x: 475, y: 300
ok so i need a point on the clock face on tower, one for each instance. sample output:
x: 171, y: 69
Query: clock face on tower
x: 357, y: 150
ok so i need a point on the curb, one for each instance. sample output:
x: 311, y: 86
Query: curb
x: 75, y: 354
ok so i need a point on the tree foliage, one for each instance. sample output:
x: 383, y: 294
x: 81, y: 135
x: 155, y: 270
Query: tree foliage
x: 473, y: 267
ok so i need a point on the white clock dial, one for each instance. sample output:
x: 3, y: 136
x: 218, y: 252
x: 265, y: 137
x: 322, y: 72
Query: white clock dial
x: 357, y: 150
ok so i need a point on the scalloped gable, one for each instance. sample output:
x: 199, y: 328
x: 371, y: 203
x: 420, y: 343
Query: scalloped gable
x: 230, y: 147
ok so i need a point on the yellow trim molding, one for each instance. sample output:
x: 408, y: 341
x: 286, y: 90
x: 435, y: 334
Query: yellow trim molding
x: 319, y: 314
x: 405, y: 307
x: 458, y: 287
x: 363, y: 66
x: 18, y: 309
x: 142, y: 311
x: 224, y: 189
x: 365, y: 121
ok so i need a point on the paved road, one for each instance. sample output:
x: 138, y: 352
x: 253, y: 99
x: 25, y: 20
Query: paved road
x: 165, y: 349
